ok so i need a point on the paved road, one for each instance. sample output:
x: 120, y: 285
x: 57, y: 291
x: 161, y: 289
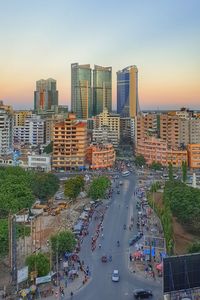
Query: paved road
x: 101, y: 285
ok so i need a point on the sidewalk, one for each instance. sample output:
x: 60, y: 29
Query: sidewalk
x: 72, y: 286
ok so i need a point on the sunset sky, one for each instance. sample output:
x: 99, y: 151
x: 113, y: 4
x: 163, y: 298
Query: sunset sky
x: 41, y: 38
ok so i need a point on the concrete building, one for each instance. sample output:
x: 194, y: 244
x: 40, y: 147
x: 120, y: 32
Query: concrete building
x: 69, y: 144
x: 170, y: 130
x: 81, y: 91
x: 35, y: 126
x: 194, y: 131
x: 46, y: 95
x: 39, y: 162
x: 146, y: 125
x: 154, y: 149
x: 106, y: 128
x: 127, y: 92
x: 102, y: 89
x: 194, y: 156
x: 127, y: 129
x: 6, y: 129
x: 101, y: 156
x: 20, y: 117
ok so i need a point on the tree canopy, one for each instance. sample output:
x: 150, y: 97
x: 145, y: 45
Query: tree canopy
x: 62, y: 242
x: 38, y: 262
x: 73, y: 186
x: 156, y: 166
x: 49, y: 148
x: 184, y: 203
x: 194, y: 248
x: 98, y: 187
x: 140, y: 161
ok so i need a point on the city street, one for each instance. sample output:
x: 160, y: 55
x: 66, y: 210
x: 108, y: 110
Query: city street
x: 119, y: 212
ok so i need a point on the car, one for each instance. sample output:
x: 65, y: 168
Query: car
x: 115, y: 276
x: 135, y: 238
x: 104, y: 258
x: 142, y: 293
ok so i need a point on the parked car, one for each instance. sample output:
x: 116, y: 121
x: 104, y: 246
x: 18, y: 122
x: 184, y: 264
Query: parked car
x: 142, y: 293
x: 115, y: 276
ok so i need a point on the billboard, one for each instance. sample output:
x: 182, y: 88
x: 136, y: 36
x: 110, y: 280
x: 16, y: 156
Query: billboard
x: 22, y: 274
x: 181, y: 272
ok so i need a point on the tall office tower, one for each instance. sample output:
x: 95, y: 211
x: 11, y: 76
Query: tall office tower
x: 102, y: 89
x: 46, y: 95
x: 81, y: 92
x: 6, y: 128
x: 127, y: 92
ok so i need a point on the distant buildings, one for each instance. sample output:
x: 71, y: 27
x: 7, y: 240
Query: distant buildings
x: 127, y: 92
x: 102, y: 89
x: 46, y: 95
x: 6, y: 129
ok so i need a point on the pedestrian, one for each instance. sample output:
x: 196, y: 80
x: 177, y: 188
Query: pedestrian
x: 71, y: 294
x: 99, y: 246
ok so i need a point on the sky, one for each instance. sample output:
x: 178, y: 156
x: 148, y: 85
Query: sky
x: 40, y: 39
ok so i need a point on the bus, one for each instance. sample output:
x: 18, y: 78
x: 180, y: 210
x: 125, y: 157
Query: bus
x: 125, y: 173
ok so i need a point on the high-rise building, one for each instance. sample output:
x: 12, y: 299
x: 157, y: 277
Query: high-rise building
x: 69, y: 144
x: 46, y: 95
x: 106, y: 128
x: 127, y: 92
x: 20, y: 117
x: 81, y: 91
x: 6, y: 128
x: 102, y: 89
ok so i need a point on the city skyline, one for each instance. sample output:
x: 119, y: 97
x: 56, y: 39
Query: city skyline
x: 161, y: 38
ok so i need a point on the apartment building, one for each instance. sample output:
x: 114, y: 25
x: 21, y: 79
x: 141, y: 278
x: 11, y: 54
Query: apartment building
x: 194, y: 155
x: 146, y: 125
x: 106, y: 128
x: 101, y: 156
x: 154, y: 149
x: 69, y: 144
x: 6, y: 129
x: 20, y: 117
x: 127, y: 129
x: 170, y: 130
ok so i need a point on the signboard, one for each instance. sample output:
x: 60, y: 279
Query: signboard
x: 43, y: 279
x: 22, y: 274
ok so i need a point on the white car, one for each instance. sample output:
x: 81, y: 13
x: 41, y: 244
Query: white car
x: 115, y: 276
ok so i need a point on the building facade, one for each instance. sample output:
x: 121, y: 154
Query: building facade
x: 127, y: 92
x: 69, y: 144
x: 6, y: 129
x: 156, y: 150
x: 81, y: 91
x: 127, y: 129
x: 146, y: 125
x: 20, y: 117
x: 39, y: 162
x: 106, y: 128
x: 46, y: 95
x: 102, y: 89
x: 101, y: 156
x: 194, y: 155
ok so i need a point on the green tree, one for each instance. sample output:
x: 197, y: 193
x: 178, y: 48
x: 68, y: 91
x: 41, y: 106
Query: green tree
x: 98, y: 187
x: 184, y: 171
x: 140, y: 161
x: 156, y: 166
x: 49, y: 148
x: 3, y: 237
x: 72, y: 190
x: 62, y: 242
x: 194, y: 248
x: 45, y: 185
x: 38, y: 262
x: 170, y: 172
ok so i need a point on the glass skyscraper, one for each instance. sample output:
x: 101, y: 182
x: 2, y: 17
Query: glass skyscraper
x: 127, y: 92
x: 46, y: 95
x: 81, y: 92
x: 102, y: 89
